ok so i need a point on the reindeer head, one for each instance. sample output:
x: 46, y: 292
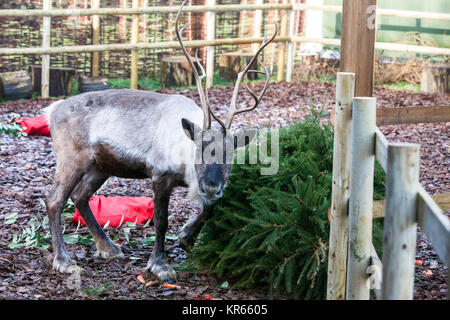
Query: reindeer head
x: 215, y: 146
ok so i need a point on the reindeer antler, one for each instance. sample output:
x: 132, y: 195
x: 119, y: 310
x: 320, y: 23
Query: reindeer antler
x: 198, y: 79
x: 241, y: 76
x: 204, y: 100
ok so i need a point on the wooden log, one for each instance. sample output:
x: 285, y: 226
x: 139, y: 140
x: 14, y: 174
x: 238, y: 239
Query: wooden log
x: 87, y: 84
x: 399, y: 248
x: 435, y: 79
x: 231, y: 63
x: 358, y: 40
x: 337, y: 255
x: 15, y: 85
x: 361, y: 197
x: 60, y: 80
x: 176, y: 71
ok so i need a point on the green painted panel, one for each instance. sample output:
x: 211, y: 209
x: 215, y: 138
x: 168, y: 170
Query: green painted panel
x: 394, y: 29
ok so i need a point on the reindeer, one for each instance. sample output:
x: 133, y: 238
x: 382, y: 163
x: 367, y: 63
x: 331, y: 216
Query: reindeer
x: 141, y: 134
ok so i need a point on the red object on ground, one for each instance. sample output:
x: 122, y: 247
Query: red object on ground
x: 38, y: 125
x: 112, y: 209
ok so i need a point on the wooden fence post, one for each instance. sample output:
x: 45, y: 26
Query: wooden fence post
x: 361, y: 197
x: 399, y: 249
x: 210, y: 50
x: 143, y: 22
x: 257, y: 24
x: 282, y: 52
x: 95, y: 67
x: 123, y: 20
x: 291, y: 45
x: 134, y: 53
x: 359, y: 42
x: 337, y: 255
x: 46, y: 43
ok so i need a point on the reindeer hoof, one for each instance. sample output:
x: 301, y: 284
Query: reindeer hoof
x: 65, y: 265
x: 186, y: 238
x: 161, y: 269
x: 111, y: 251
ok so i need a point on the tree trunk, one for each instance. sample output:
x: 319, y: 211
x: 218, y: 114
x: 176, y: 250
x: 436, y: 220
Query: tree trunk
x: 231, y: 63
x: 87, y: 84
x: 60, y: 80
x: 435, y: 79
x: 176, y: 71
x: 15, y: 85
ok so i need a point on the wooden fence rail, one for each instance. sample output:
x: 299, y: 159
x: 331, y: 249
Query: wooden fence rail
x: 407, y: 205
x: 380, y: 12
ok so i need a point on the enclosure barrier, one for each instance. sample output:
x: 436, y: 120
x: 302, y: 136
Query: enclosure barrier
x: 407, y: 204
x: 287, y: 38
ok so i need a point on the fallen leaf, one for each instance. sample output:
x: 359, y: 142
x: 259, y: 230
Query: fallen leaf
x: 141, y: 278
x: 428, y: 272
x: 418, y: 262
x: 152, y: 283
x: 168, y: 285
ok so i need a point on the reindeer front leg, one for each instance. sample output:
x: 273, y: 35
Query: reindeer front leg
x: 158, y: 263
x: 189, y: 232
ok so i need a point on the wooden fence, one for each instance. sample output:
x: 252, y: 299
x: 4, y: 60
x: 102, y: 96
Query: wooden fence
x: 357, y: 142
x: 287, y: 35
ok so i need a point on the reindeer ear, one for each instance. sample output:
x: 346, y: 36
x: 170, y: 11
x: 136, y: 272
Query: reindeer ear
x: 190, y: 129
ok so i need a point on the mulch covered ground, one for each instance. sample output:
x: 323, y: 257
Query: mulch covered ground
x: 27, y: 166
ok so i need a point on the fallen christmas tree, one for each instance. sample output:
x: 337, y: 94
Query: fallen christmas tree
x: 273, y: 230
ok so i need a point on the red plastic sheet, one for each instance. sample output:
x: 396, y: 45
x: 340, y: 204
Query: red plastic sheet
x: 118, y: 210
x: 36, y: 125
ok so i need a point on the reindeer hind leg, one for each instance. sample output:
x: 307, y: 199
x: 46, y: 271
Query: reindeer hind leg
x: 83, y: 191
x: 65, y: 180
